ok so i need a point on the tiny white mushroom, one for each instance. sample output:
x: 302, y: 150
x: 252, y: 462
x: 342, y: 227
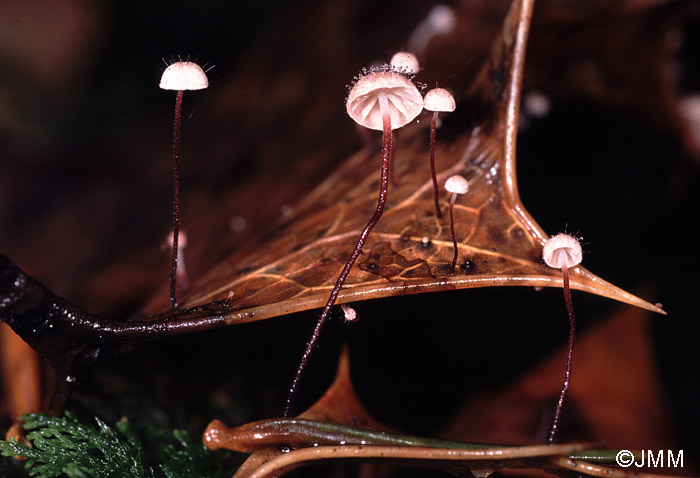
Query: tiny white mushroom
x: 437, y: 100
x: 456, y: 185
x: 405, y: 62
x: 384, y: 100
x: 349, y: 313
x: 184, y: 75
x: 562, y: 252
x: 179, y: 77
x: 384, y: 93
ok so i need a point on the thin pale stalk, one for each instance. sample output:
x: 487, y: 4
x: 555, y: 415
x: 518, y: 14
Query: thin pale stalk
x: 433, y: 126
x: 383, y: 189
x: 277, y: 465
x: 569, y: 359
x: 176, y: 199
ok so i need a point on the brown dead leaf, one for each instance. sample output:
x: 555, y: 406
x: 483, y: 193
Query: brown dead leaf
x: 294, y: 267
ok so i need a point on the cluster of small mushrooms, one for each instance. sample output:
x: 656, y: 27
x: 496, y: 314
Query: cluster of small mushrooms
x: 383, y: 98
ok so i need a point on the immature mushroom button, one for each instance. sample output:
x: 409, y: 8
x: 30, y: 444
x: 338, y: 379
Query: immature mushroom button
x: 349, y: 313
x: 405, y: 62
x: 437, y: 100
x: 457, y: 185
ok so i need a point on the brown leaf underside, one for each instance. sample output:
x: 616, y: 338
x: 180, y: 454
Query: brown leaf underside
x: 294, y: 267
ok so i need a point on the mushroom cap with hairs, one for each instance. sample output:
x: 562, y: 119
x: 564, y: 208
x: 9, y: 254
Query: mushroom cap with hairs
x: 184, y: 75
x: 562, y: 250
x: 457, y: 184
x: 405, y: 62
x: 405, y: 101
x: 439, y: 99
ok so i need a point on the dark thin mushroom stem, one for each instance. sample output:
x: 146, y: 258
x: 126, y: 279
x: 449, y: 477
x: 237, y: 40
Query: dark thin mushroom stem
x: 569, y: 359
x: 452, y: 233
x: 383, y: 189
x: 433, y: 126
x: 176, y: 198
x: 437, y: 100
x: 392, y: 166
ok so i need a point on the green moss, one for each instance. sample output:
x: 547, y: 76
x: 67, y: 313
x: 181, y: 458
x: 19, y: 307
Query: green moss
x: 64, y: 447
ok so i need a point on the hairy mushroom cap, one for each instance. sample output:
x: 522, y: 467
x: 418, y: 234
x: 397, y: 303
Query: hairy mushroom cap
x: 562, y: 250
x: 404, y: 99
x: 405, y: 62
x: 184, y: 75
x: 457, y: 184
x: 439, y: 99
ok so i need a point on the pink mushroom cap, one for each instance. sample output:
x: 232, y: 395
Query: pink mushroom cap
x: 439, y: 99
x: 184, y: 75
x: 562, y: 250
x: 404, y: 99
x: 457, y: 184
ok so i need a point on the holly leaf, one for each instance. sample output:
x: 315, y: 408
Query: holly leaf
x: 294, y: 267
